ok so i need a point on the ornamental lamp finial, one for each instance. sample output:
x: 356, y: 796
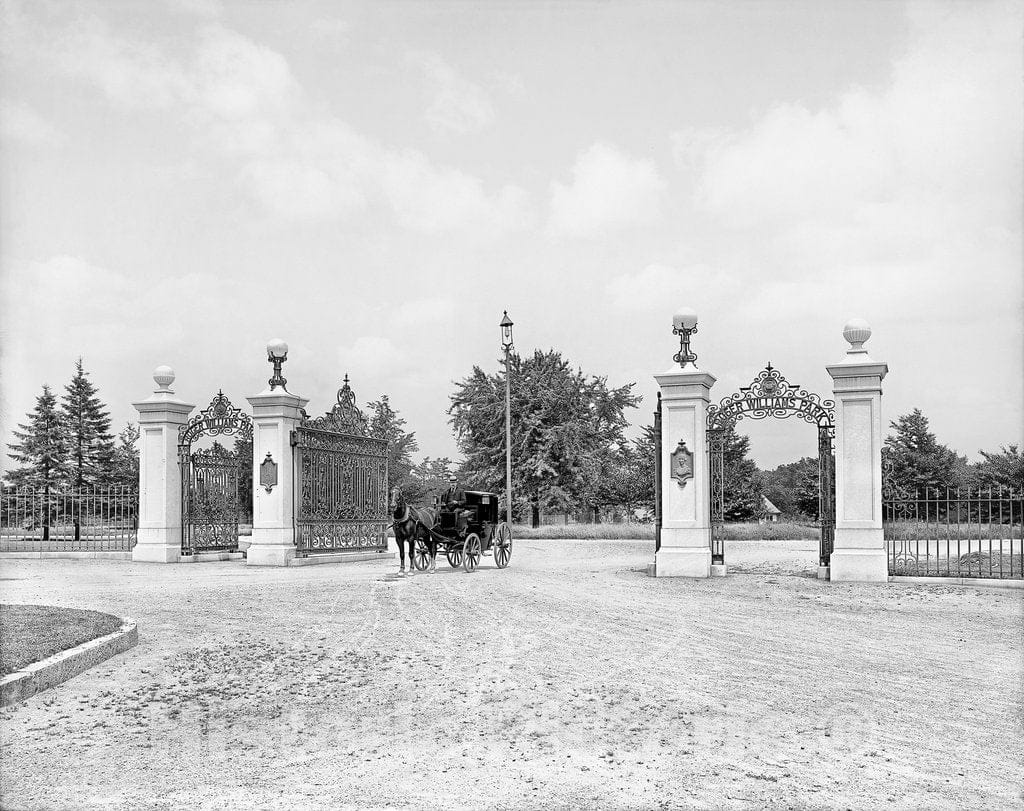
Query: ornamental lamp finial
x: 684, y: 324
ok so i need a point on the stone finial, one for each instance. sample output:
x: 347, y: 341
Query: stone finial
x: 857, y: 331
x: 163, y: 376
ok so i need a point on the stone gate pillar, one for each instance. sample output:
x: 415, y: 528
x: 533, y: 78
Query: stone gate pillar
x: 160, y: 417
x: 685, y: 475
x: 859, y: 549
x: 275, y: 414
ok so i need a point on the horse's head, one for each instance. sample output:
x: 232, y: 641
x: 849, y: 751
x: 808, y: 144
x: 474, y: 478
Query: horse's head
x: 397, y: 501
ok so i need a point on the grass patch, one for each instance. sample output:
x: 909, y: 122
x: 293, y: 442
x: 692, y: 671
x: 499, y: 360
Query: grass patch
x: 29, y: 633
x: 645, y: 532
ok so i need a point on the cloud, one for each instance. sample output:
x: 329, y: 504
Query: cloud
x: 295, y: 161
x: 331, y: 29
x: 432, y: 200
x: 609, y: 190
x: 935, y: 147
x: 457, y: 106
x: 19, y: 123
x: 659, y: 286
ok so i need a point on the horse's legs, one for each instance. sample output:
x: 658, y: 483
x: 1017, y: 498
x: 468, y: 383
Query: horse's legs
x: 433, y: 555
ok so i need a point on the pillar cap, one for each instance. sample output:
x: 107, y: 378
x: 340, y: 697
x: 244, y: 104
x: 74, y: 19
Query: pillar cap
x: 685, y: 377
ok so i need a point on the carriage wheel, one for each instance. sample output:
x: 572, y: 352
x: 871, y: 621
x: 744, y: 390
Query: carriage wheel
x: 421, y: 556
x: 471, y: 552
x: 502, y: 545
x: 454, y: 554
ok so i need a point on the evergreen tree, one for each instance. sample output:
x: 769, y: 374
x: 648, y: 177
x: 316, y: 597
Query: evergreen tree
x: 916, y: 457
x: 87, y: 427
x: 566, y: 429
x: 41, y: 447
x: 125, y: 463
x: 387, y: 424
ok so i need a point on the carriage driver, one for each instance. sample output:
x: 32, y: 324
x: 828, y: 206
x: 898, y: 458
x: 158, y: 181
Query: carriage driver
x: 455, y: 500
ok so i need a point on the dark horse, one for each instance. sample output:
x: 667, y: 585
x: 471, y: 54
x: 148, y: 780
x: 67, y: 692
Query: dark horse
x: 412, y: 522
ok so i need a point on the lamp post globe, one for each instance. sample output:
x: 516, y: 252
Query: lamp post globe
x: 277, y: 353
x: 276, y: 349
x: 685, y: 318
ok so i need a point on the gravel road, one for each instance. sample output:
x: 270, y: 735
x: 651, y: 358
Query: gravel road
x: 569, y: 680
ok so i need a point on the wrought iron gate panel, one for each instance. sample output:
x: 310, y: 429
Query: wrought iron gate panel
x: 213, y: 507
x: 211, y: 479
x: 716, y: 449
x: 826, y: 494
x: 342, y: 499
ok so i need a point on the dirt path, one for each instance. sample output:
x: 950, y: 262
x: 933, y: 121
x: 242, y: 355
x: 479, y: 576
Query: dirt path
x: 568, y: 680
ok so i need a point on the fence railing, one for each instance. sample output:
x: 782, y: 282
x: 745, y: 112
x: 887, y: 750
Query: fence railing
x: 95, y: 518
x: 951, y: 532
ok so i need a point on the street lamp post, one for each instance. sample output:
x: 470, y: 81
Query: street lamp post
x: 506, y: 342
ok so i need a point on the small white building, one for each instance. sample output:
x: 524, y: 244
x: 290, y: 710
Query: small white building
x: 771, y: 512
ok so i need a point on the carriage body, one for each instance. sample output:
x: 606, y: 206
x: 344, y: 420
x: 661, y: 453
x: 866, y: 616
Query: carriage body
x: 482, y: 514
x: 483, y: 530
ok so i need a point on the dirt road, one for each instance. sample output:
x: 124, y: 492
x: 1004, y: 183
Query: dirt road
x: 569, y: 680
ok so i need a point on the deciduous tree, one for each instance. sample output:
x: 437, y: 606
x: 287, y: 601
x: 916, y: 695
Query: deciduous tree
x: 125, y: 462
x: 566, y: 430
x: 1002, y: 469
x: 386, y: 423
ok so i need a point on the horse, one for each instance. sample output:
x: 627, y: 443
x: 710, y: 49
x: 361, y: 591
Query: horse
x: 412, y: 523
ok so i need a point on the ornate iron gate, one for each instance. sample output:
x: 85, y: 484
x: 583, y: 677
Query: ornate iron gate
x: 342, y: 475
x: 771, y: 395
x: 214, y: 481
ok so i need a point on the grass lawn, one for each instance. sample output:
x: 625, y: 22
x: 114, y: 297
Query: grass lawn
x: 779, y: 531
x: 29, y: 633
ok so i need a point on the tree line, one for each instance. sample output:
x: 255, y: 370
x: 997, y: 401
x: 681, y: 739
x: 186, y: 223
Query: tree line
x: 67, y: 443
x: 569, y: 448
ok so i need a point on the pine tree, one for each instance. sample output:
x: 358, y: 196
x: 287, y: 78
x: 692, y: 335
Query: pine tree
x: 87, y: 427
x: 387, y: 424
x: 41, y: 447
x: 916, y: 457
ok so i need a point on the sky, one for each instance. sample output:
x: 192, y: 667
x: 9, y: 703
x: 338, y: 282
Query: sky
x: 375, y: 183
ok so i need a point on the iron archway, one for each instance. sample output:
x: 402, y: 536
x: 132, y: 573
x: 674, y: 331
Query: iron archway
x: 771, y: 395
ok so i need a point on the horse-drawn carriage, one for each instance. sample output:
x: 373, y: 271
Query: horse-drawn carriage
x: 465, y: 533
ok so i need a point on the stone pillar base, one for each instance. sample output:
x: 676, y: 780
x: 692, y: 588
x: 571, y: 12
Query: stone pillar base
x: 682, y: 562
x: 861, y: 565
x: 269, y: 554
x: 156, y: 553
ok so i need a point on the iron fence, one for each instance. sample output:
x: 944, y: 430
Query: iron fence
x: 94, y: 518
x: 949, y: 532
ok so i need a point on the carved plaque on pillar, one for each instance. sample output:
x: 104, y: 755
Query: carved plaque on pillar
x: 682, y: 463
x: 268, y: 473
